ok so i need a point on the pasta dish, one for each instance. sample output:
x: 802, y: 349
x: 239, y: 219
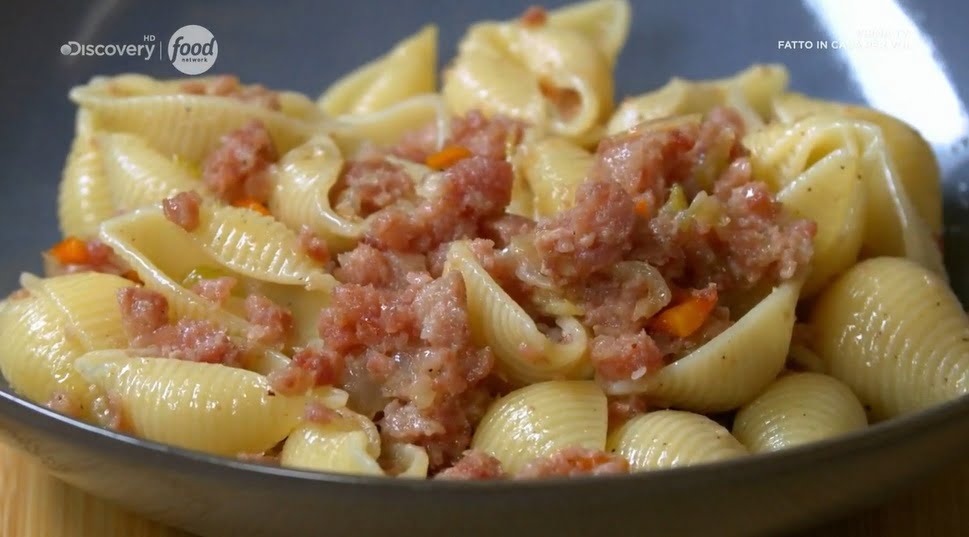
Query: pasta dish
x: 507, y: 274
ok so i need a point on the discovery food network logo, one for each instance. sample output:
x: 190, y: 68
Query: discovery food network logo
x: 192, y: 49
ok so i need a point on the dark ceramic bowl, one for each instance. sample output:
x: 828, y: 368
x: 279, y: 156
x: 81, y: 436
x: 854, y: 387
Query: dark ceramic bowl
x: 909, y: 61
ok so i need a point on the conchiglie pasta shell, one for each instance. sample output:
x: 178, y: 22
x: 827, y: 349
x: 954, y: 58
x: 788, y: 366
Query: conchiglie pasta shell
x: 190, y: 126
x: 524, y: 354
x: 38, y: 356
x: 733, y: 367
x: 411, y: 460
x: 329, y: 448
x: 750, y: 92
x: 483, y: 79
x: 553, y: 169
x: 671, y: 439
x: 910, y: 154
x: 896, y: 334
x: 140, y: 175
x: 257, y: 246
x: 84, y: 198
x: 540, y: 419
x: 407, y: 70
x: 604, y: 22
x: 830, y: 194
x: 205, y: 407
x: 796, y: 409
x: 88, y: 300
x: 387, y: 126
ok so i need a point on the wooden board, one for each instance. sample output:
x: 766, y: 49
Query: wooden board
x: 33, y: 504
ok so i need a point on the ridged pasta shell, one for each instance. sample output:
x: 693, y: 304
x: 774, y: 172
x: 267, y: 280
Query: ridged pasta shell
x: 88, y: 301
x: 892, y: 226
x: 409, y: 69
x: 38, y: 355
x: 84, y: 197
x: 604, y: 22
x: 140, y: 175
x: 733, y: 367
x: 523, y: 353
x: 896, y: 334
x: 200, y: 406
x: 540, y: 419
x: 329, y: 448
x: 830, y: 194
x: 412, y: 460
x: 671, y: 439
x: 553, y: 169
x: 796, y: 409
x: 750, y: 92
x: 910, y: 154
x: 387, y: 126
x: 257, y: 246
x: 190, y: 126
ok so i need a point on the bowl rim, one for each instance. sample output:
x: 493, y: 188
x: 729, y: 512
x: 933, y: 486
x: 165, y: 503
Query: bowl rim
x: 888, y: 431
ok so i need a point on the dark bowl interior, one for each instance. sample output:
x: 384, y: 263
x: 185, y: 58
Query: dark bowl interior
x: 305, y: 45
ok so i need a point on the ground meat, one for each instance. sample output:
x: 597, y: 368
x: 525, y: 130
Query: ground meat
x: 215, y: 290
x: 418, y: 144
x: 487, y: 137
x: 317, y: 412
x: 475, y: 465
x: 66, y: 404
x: 623, y: 408
x: 291, y: 380
x: 621, y: 301
x: 366, y: 265
x: 323, y: 365
x: 473, y: 190
x: 408, y: 353
x: 574, y: 461
x: 589, y: 237
x: 144, y: 316
x: 503, y: 228
x: 182, y: 209
x: 271, y: 324
x: 108, y: 411
x: 628, y: 356
x: 534, y: 16
x: 100, y: 258
x: 236, y: 170
x: 229, y: 86
x: 313, y: 245
x: 370, y: 185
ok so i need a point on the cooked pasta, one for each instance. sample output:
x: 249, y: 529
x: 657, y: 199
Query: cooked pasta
x: 673, y: 438
x: 499, y: 276
x: 895, y: 334
x: 796, y: 409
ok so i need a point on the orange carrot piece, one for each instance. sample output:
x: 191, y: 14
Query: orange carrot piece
x: 252, y: 205
x: 447, y: 157
x: 644, y: 208
x: 71, y: 251
x: 683, y: 319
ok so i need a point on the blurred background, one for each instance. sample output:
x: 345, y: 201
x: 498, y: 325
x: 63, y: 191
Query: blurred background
x: 305, y: 45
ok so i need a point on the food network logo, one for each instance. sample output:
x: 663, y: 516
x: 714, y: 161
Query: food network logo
x: 192, y: 49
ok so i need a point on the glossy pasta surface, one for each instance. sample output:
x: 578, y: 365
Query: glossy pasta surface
x: 494, y: 270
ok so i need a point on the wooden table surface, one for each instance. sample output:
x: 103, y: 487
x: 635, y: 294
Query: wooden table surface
x: 33, y: 504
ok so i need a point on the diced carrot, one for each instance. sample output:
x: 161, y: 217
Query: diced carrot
x: 685, y: 318
x: 447, y: 157
x: 71, y: 251
x: 644, y: 207
x: 252, y: 205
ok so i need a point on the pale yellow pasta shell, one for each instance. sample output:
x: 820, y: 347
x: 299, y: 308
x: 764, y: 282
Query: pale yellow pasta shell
x: 911, y: 155
x: 200, y: 406
x: 387, y: 126
x: 38, y: 356
x: 895, y: 334
x: 84, y: 197
x: 730, y: 369
x: 553, y: 169
x: 409, y: 69
x: 334, y: 447
x: 798, y: 408
x: 411, y: 460
x: 831, y: 194
x: 604, y: 22
x: 750, y: 92
x: 671, y: 439
x: 540, y: 419
x: 523, y: 353
x: 190, y: 126
x: 88, y: 301
x: 139, y: 175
